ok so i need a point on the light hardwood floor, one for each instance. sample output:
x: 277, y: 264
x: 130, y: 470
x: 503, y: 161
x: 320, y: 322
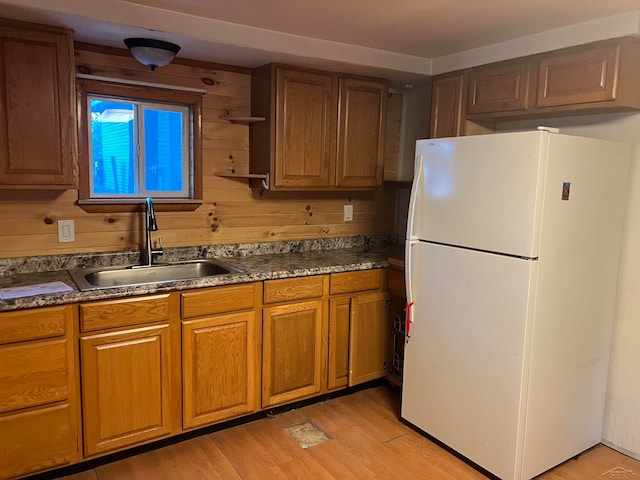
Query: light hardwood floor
x: 369, y: 442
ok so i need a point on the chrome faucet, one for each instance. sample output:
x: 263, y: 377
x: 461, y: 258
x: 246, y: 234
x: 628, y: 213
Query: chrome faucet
x: 151, y: 225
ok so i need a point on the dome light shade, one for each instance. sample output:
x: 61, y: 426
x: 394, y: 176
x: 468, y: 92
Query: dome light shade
x: 150, y: 52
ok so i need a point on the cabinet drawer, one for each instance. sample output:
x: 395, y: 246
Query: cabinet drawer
x: 118, y: 313
x: 36, y: 440
x: 33, y: 374
x: 26, y: 325
x: 217, y: 300
x: 355, y: 281
x: 293, y: 289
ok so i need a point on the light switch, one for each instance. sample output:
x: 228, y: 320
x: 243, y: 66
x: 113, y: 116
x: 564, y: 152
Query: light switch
x: 66, y: 231
x: 348, y: 213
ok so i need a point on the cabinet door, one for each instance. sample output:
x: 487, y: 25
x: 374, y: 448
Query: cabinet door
x: 220, y: 368
x: 339, y: 327
x: 370, y: 334
x: 292, y: 356
x: 579, y: 77
x: 446, y: 107
x: 37, y: 139
x: 126, y: 388
x: 304, y: 112
x: 362, y: 110
x: 499, y: 88
x: 35, y: 440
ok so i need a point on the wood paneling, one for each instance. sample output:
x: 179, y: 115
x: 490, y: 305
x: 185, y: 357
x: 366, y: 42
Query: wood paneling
x: 232, y: 212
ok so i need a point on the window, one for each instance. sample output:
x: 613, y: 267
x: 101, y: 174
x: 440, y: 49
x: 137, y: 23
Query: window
x: 138, y: 149
x: 138, y: 142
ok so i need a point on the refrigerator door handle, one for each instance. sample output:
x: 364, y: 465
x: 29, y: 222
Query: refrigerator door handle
x: 413, y: 199
x: 408, y: 282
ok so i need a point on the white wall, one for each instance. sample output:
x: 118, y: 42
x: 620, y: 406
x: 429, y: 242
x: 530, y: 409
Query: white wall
x: 622, y: 416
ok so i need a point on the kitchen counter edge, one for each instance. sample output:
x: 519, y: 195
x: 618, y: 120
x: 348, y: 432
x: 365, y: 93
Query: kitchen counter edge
x: 255, y: 268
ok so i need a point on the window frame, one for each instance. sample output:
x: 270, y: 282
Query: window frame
x: 85, y: 88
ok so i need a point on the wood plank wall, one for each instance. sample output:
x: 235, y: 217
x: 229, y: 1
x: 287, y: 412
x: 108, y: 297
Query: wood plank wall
x: 232, y: 212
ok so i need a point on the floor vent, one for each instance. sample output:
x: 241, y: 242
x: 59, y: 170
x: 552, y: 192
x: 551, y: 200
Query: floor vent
x: 307, y: 434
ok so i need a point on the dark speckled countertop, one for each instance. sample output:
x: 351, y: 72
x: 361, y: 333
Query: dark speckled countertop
x: 265, y: 266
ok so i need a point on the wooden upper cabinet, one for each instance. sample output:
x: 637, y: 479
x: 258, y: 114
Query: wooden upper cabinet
x: 600, y: 77
x: 303, y: 129
x: 361, y: 129
x: 322, y: 131
x: 582, y: 76
x: 446, y: 107
x: 37, y: 120
x: 499, y: 88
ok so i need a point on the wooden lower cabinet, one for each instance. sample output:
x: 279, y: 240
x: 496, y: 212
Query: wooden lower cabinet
x: 36, y: 440
x: 210, y: 343
x: 359, y: 335
x: 339, y: 332
x: 369, y: 338
x: 292, y: 351
x: 220, y: 368
x: 125, y: 387
x: 38, y: 401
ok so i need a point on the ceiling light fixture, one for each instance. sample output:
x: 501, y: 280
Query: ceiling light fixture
x: 150, y: 52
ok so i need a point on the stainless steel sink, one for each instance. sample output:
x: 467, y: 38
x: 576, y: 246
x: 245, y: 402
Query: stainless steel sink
x: 110, y: 277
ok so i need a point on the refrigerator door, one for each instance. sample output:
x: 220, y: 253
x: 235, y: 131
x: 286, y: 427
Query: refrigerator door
x: 463, y: 370
x: 481, y: 191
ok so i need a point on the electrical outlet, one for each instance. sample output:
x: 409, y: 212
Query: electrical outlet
x: 66, y: 231
x: 348, y: 213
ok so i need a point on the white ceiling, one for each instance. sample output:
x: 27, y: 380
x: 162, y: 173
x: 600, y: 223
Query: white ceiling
x: 398, y: 40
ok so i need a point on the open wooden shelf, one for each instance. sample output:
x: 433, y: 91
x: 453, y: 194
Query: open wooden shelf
x: 243, y: 120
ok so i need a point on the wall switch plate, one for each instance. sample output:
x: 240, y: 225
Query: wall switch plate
x: 66, y: 231
x: 348, y: 213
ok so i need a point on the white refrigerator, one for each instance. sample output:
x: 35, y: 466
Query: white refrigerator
x: 512, y: 252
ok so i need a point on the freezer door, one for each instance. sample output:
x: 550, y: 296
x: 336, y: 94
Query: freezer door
x: 480, y: 191
x: 463, y: 367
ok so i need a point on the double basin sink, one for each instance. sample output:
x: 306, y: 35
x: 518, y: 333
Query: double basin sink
x: 112, y: 277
